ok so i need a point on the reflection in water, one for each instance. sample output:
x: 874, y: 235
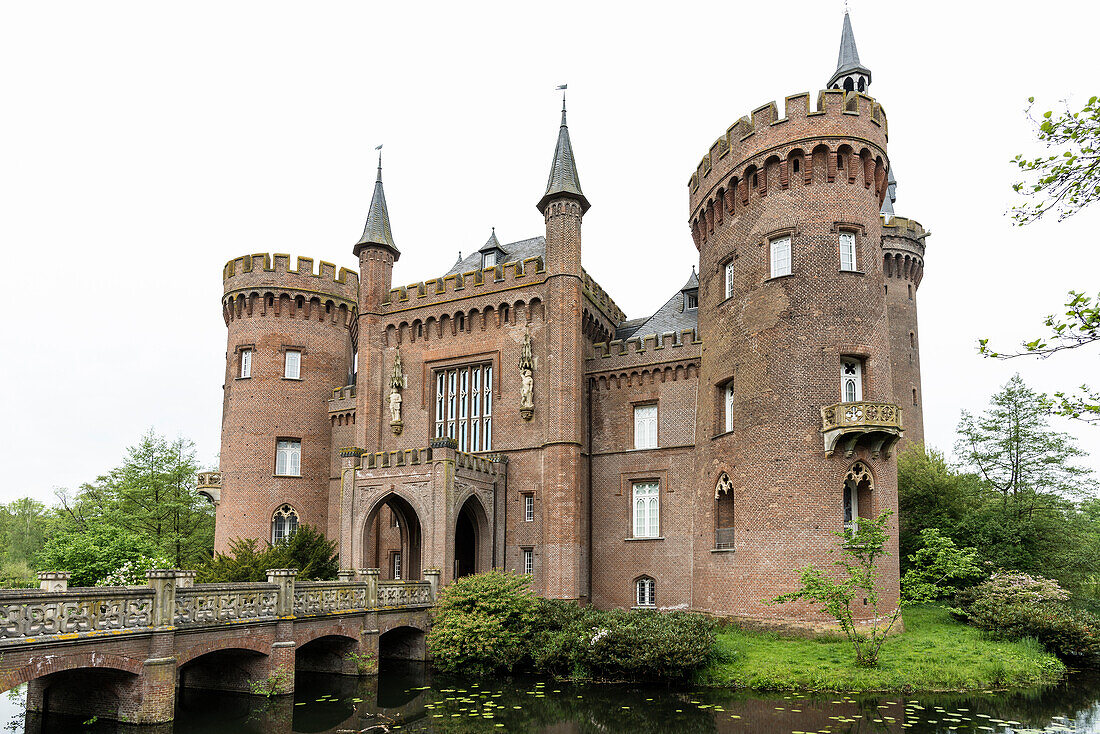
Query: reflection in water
x: 405, y: 698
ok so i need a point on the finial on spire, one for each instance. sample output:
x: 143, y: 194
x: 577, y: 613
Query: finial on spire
x: 563, y: 171
x: 376, y: 232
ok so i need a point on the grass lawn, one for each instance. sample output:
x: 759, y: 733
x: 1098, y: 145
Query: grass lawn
x: 935, y: 653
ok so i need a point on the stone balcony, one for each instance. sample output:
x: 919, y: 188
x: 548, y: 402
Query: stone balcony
x: 846, y: 425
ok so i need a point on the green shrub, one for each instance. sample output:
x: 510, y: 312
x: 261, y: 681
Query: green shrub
x: 17, y: 575
x: 483, y: 624
x: 307, y: 549
x: 619, y: 644
x: 91, y: 555
x: 1015, y: 606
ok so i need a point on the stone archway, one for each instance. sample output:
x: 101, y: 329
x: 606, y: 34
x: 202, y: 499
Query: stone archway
x: 472, y: 540
x: 393, y: 539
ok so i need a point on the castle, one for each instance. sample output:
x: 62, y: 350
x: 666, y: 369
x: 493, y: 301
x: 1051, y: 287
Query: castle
x: 506, y: 414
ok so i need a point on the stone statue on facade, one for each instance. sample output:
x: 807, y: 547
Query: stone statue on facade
x: 397, y: 382
x: 527, y: 377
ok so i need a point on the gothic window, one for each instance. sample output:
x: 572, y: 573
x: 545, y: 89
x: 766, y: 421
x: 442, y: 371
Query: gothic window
x: 292, y: 365
x: 781, y: 256
x: 858, y: 485
x: 646, y: 510
x: 283, y: 524
x: 288, y: 457
x: 862, y: 84
x: 723, y: 513
x: 847, y: 251
x: 645, y: 426
x: 851, y: 380
x: 645, y: 592
x: 464, y: 406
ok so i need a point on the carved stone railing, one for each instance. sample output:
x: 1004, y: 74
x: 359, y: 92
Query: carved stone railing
x: 35, y: 613
x: 844, y: 425
x: 404, y: 594
x: 214, y: 603
x: 312, y: 598
x: 171, y: 601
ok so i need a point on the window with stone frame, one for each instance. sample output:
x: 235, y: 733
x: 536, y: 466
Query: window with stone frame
x: 858, y: 486
x: 723, y: 513
x: 851, y: 379
x: 283, y: 524
x: 647, y: 509
x: 645, y: 592
x: 288, y: 457
x: 463, y: 406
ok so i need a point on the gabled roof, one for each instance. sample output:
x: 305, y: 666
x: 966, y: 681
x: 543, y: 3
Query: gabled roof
x: 492, y: 243
x: 521, y: 250
x: 563, y: 171
x: 377, y: 229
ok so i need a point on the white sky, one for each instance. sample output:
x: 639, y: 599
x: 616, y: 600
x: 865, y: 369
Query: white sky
x: 145, y: 144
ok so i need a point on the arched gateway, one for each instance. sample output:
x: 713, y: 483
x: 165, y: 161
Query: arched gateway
x: 392, y: 539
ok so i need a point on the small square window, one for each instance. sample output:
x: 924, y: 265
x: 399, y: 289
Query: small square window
x: 292, y: 366
x: 528, y: 508
x: 246, y: 363
x: 288, y: 458
x: 645, y: 426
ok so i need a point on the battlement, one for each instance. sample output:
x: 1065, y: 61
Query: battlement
x: 839, y: 115
x: 600, y: 297
x: 502, y: 276
x: 903, y: 227
x: 260, y: 271
x: 653, y: 344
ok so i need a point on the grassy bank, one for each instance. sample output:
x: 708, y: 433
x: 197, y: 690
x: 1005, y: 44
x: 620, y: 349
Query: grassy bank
x: 935, y: 653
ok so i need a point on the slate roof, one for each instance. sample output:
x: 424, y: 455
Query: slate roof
x: 521, y: 250
x: 563, y: 171
x: 891, y: 194
x: 377, y: 229
x: 848, y: 59
x: 672, y: 316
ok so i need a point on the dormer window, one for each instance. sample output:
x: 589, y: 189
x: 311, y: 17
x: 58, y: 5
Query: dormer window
x: 489, y: 260
x: 691, y: 299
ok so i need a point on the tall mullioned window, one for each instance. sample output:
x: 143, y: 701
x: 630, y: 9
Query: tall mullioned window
x: 464, y: 406
x: 645, y: 426
x: 645, y: 592
x: 646, y: 510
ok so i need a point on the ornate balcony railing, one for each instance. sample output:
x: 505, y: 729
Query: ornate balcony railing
x: 844, y: 425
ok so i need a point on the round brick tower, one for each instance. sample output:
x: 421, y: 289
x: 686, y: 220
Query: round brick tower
x: 291, y: 341
x: 792, y: 315
x: 903, y: 264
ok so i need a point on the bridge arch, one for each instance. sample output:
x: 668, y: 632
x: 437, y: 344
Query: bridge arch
x: 231, y: 668
x: 402, y: 642
x: 40, y: 666
x: 393, y: 538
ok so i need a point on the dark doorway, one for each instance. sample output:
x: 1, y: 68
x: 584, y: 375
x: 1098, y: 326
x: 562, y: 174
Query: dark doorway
x: 465, y: 543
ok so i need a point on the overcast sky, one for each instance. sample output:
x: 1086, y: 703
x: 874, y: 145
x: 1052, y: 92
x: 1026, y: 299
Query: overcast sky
x: 147, y: 143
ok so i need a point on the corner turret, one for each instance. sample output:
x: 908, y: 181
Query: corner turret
x: 563, y: 180
x: 850, y: 75
x: 376, y: 232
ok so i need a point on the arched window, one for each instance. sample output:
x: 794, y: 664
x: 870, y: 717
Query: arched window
x: 851, y: 380
x: 283, y: 523
x: 862, y: 84
x: 645, y: 592
x: 848, y: 85
x: 723, y: 513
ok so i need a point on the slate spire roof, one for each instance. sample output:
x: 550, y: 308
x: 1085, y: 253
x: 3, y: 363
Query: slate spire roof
x: 492, y: 243
x: 847, y: 61
x: 377, y: 229
x: 891, y: 195
x: 563, y: 171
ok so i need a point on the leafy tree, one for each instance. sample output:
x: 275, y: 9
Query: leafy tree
x: 834, y: 593
x: 307, y: 549
x: 151, y: 495
x: 939, y: 569
x: 1067, y: 179
x: 1013, y: 448
x: 24, y: 525
x: 92, y: 554
x: 931, y: 494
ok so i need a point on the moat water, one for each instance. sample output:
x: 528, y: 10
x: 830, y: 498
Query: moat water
x: 407, y: 698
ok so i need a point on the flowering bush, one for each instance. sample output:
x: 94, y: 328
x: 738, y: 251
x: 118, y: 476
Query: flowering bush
x: 132, y: 572
x: 1015, y: 605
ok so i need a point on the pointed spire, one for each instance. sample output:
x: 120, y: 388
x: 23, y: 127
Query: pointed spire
x: 492, y: 243
x: 377, y: 232
x: 887, y: 209
x: 850, y: 74
x: 563, y: 171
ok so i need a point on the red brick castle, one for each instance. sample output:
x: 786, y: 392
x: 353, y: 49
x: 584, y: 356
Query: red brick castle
x: 506, y: 414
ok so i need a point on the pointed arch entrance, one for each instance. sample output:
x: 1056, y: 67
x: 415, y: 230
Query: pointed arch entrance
x: 393, y: 539
x: 472, y: 539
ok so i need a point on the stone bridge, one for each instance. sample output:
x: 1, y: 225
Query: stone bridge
x: 121, y: 653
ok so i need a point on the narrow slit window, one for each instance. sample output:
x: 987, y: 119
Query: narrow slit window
x: 729, y: 279
x: 728, y: 413
x: 528, y: 508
